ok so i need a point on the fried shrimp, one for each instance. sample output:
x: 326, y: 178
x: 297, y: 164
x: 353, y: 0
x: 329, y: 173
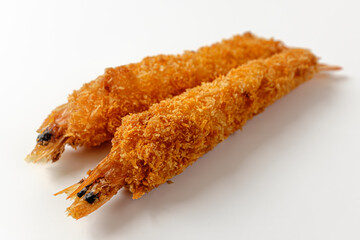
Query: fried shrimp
x: 92, y: 114
x: 153, y: 146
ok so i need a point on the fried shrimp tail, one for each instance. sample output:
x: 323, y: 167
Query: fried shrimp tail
x: 325, y: 67
x: 93, y: 113
x: 50, y: 143
x: 153, y: 146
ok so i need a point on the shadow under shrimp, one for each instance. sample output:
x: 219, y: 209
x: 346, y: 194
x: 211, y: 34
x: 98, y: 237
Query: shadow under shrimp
x: 76, y: 161
x: 216, y: 166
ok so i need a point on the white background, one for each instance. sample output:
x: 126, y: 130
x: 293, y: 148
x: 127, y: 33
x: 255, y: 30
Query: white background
x: 292, y: 173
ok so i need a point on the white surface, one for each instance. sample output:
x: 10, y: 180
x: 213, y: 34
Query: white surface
x: 292, y: 173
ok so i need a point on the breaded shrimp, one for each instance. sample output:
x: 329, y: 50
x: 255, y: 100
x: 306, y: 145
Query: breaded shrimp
x: 92, y: 114
x: 153, y: 146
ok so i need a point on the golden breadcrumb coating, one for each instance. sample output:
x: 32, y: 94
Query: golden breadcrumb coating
x: 153, y: 146
x: 93, y: 113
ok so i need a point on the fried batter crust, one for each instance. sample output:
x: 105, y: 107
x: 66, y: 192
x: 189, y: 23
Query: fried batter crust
x: 151, y: 147
x: 95, y: 111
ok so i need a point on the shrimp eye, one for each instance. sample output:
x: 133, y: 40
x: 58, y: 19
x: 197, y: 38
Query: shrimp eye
x: 44, y: 137
x: 91, y: 197
x: 82, y: 192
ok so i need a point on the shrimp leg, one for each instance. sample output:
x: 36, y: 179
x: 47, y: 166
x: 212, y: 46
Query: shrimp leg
x: 92, y: 113
x: 155, y: 145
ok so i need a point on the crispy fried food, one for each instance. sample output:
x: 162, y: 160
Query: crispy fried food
x: 151, y: 147
x: 92, y: 114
